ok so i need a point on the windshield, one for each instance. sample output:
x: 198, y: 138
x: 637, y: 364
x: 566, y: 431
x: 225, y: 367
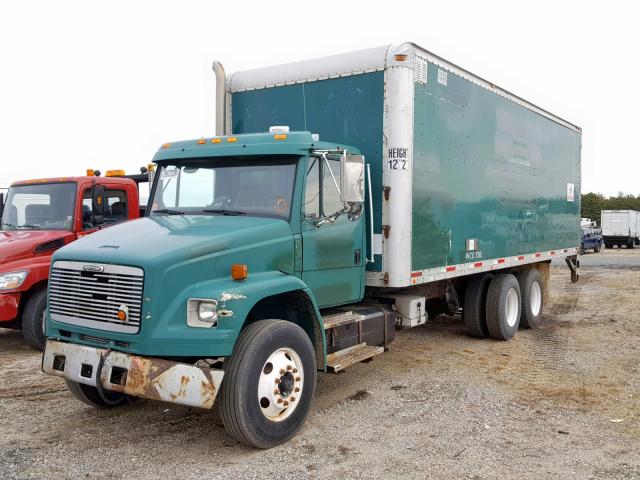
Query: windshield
x: 45, y: 206
x: 259, y: 187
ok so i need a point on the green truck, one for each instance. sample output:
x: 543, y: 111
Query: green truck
x: 340, y: 198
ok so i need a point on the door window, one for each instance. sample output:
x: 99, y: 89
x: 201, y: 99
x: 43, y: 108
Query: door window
x: 321, y: 191
x: 115, y: 206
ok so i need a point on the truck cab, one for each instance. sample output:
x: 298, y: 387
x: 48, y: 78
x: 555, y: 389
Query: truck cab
x: 243, y: 234
x: 39, y: 217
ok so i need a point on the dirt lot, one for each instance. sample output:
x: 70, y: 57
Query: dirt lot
x: 559, y: 402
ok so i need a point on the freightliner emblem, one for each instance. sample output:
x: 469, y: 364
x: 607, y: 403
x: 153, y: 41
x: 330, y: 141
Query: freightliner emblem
x: 93, y: 268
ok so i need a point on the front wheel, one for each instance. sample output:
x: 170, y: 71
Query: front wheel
x: 269, y: 383
x: 91, y: 396
x: 596, y: 249
x: 33, y: 320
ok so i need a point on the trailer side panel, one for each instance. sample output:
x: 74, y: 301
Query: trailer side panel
x: 491, y: 178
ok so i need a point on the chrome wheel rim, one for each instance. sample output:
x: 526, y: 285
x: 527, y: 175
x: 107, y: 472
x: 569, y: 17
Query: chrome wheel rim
x: 281, y: 383
x: 511, y: 307
x: 535, y: 299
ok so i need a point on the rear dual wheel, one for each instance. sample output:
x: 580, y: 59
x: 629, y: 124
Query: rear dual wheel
x: 495, y: 306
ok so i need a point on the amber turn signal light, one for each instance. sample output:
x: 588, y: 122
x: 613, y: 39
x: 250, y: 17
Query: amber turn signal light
x: 239, y: 271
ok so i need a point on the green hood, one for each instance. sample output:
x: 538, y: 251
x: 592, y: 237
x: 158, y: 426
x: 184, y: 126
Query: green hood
x: 189, y: 257
x: 161, y: 241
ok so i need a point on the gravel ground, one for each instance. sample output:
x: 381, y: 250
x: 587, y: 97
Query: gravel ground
x: 559, y: 402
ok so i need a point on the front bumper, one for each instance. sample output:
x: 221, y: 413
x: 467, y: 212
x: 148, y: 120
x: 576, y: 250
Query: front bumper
x: 9, y: 304
x: 151, y: 378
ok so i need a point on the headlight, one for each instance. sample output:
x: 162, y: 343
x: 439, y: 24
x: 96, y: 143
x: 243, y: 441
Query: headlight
x: 207, y: 311
x: 9, y: 281
x: 202, y: 312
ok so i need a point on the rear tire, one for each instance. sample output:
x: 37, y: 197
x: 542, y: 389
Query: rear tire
x: 33, y: 320
x: 90, y: 395
x: 475, y: 302
x: 503, y: 306
x: 272, y: 366
x: 532, y: 298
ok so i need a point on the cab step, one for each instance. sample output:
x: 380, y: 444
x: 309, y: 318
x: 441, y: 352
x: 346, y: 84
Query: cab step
x: 342, y: 359
x: 341, y: 318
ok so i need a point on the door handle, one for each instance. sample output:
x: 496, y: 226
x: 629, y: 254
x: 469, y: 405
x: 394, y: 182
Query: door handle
x: 357, y: 257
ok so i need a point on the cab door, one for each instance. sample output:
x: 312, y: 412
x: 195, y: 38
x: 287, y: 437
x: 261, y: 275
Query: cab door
x: 333, y: 259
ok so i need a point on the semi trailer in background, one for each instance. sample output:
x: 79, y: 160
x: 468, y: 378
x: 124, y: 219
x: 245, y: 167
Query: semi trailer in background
x: 340, y: 198
x: 620, y: 227
x: 40, y: 216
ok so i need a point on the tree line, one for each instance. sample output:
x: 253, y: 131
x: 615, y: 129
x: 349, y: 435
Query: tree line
x: 593, y: 203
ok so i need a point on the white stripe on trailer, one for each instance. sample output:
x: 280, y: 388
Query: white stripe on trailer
x: 418, y: 277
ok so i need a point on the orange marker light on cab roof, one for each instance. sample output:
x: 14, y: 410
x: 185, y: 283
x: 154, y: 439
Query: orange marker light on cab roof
x: 202, y: 141
x: 216, y: 140
x: 232, y: 139
x: 115, y: 173
x: 239, y: 271
x: 89, y: 172
x: 280, y: 136
x: 166, y: 145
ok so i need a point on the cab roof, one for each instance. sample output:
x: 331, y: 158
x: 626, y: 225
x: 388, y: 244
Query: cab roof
x: 76, y: 180
x: 248, y: 144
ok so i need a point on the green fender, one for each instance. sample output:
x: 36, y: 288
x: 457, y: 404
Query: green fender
x: 236, y: 299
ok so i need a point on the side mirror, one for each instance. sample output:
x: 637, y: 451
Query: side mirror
x: 97, y: 206
x: 352, y: 178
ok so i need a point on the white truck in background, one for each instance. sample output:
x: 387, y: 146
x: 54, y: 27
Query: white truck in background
x: 620, y: 227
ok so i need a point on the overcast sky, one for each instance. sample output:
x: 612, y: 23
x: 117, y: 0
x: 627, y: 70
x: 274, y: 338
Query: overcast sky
x: 104, y: 84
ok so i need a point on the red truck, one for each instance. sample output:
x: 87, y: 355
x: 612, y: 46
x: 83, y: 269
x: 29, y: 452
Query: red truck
x: 40, y: 216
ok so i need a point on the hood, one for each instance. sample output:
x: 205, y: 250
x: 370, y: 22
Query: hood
x: 20, y: 244
x: 171, y: 239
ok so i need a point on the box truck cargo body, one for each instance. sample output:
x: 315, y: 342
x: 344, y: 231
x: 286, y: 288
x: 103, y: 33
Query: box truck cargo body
x: 340, y: 197
x: 462, y: 171
x: 620, y: 227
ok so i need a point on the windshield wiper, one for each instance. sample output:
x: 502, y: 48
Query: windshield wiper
x: 9, y: 225
x: 168, y: 211
x: 224, y: 212
x: 34, y: 227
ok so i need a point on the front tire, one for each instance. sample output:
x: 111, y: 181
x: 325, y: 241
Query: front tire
x: 33, y: 320
x: 90, y: 396
x: 269, y: 383
x: 532, y: 298
x: 503, y: 306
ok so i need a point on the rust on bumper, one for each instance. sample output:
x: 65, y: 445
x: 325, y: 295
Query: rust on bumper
x: 145, y: 377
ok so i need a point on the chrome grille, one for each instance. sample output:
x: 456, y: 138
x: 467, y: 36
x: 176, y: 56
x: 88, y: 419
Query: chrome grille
x: 91, y: 295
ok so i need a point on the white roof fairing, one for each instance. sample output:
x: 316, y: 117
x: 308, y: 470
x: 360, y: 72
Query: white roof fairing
x: 343, y: 64
x: 364, y: 61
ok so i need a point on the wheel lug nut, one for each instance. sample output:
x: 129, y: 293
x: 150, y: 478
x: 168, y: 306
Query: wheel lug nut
x: 293, y: 399
x: 297, y: 389
x: 276, y: 392
x: 295, y: 370
x: 282, y: 371
x: 298, y: 379
x: 288, y: 367
x: 285, y: 404
x: 277, y: 381
x: 279, y: 400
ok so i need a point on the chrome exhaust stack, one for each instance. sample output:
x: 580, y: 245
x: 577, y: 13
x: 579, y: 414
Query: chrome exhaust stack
x: 221, y: 97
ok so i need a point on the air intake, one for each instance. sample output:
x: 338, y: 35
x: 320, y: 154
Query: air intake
x: 48, y: 246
